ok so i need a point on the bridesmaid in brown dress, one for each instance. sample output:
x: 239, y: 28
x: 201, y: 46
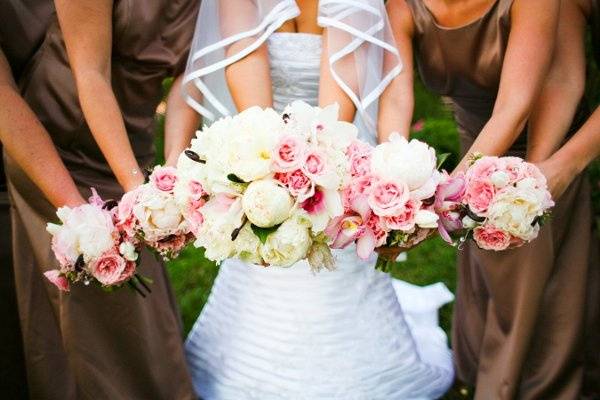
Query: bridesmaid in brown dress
x: 563, y: 162
x: 519, y: 314
x: 109, y: 345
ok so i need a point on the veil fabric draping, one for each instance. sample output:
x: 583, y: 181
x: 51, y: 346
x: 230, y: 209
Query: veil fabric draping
x: 362, y: 54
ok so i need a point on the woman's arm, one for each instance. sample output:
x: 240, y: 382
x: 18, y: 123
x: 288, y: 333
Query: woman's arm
x: 181, y: 122
x: 329, y: 91
x: 526, y: 63
x: 571, y: 159
x: 249, y: 79
x: 27, y: 142
x: 554, y: 111
x: 87, y: 29
x: 397, y: 101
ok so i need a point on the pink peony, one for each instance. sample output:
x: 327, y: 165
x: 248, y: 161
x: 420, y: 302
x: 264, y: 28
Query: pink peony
x: 60, y: 281
x: 288, y: 153
x: 488, y: 237
x: 405, y: 220
x: 107, y: 269
x: 479, y: 194
x: 388, y: 198
x: 358, y: 188
x: 360, y: 166
x: 164, y: 178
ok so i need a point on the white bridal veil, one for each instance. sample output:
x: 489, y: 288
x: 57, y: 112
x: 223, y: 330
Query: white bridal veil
x: 361, y: 50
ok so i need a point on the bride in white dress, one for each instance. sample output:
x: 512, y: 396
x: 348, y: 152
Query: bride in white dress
x: 274, y: 333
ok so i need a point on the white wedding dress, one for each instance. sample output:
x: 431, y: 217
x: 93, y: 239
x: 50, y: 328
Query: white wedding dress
x: 354, y: 333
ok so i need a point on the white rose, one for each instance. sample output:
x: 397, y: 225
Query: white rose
x: 266, y: 203
x: 288, y: 244
x: 127, y: 250
x: 468, y: 222
x: 412, y: 162
x: 500, y: 179
x: 514, y: 210
x: 158, y: 214
x: 426, y: 219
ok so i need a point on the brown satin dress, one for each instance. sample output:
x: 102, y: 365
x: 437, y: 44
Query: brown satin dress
x: 519, y: 314
x: 89, y: 344
x: 28, y: 19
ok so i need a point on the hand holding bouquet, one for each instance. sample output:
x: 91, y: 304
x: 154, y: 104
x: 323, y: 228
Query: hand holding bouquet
x: 500, y: 202
x: 90, y: 247
x: 273, y: 184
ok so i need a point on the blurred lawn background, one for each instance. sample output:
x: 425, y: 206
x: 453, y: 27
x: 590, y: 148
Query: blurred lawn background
x: 192, y: 275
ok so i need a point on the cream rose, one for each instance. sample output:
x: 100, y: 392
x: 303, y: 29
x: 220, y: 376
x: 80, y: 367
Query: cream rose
x: 513, y: 210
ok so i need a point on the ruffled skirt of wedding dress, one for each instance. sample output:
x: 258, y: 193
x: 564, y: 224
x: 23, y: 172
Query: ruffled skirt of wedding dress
x: 354, y: 333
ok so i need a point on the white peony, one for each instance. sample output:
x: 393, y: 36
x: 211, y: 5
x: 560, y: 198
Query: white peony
x: 412, y: 162
x: 88, y: 228
x: 158, y: 214
x: 514, y: 209
x: 426, y: 219
x: 247, y: 246
x: 288, y: 244
x: 266, y: 203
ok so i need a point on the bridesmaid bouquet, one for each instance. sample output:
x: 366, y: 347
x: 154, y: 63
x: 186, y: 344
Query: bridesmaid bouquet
x: 500, y: 203
x: 389, y: 198
x: 271, y: 184
x: 90, y: 247
x: 152, y: 213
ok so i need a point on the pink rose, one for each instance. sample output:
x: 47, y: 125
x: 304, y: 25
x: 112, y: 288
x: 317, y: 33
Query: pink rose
x: 479, y: 195
x: 196, y: 189
x: 513, y: 166
x: 358, y: 148
x: 107, y: 269
x: 130, y: 267
x: 164, y: 178
x: 490, y: 238
x: 314, y: 164
x: 359, y: 187
x: 388, y: 198
x: 60, y: 281
x: 194, y: 218
x: 405, y: 220
x: 288, y: 153
x: 282, y: 177
x: 360, y: 166
x: 300, y: 185
x: 484, y: 168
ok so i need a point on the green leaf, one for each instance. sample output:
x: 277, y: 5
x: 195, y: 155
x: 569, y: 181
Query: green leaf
x: 263, y: 233
x: 442, y: 159
x: 234, y: 178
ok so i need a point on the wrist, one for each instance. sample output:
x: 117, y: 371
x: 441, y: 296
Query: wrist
x: 134, y: 179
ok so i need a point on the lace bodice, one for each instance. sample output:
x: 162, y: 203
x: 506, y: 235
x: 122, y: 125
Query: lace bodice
x: 295, y: 60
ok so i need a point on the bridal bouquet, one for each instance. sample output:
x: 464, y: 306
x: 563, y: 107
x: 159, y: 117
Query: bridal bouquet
x: 153, y: 214
x: 90, y: 247
x: 389, y: 198
x: 272, y: 183
x: 500, y: 202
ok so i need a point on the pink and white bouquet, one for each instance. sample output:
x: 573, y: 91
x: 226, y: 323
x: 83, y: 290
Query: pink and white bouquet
x: 500, y: 202
x: 273, y: 183
x: 389, y: 198
x: 90, y: 247
x: 153, y: 214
